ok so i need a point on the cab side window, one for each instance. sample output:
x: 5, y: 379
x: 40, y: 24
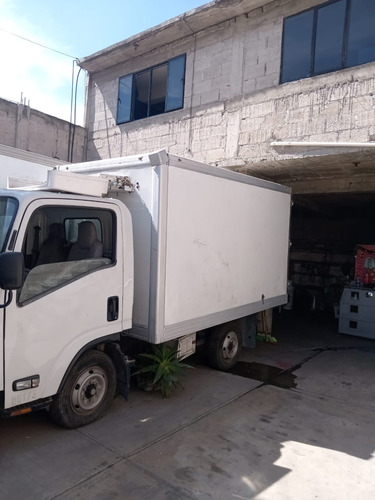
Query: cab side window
x: 54, y: 247
x: 85, y: 237
x: 62, y: 244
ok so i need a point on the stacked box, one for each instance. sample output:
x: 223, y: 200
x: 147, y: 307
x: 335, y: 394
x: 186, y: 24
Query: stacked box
x: 357, y: 312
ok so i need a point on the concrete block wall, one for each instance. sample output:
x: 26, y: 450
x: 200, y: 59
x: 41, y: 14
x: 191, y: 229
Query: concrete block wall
x: 234, y: 106
x: 25, y: 128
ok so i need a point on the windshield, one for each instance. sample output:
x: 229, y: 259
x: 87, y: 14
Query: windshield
x: 8, y: 210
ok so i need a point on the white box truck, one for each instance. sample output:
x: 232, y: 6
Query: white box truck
x: 24, y: 167
x: 111, y: 254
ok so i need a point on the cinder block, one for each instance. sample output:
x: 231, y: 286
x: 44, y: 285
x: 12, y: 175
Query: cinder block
x: 201, y: 86
x: 355, y: 135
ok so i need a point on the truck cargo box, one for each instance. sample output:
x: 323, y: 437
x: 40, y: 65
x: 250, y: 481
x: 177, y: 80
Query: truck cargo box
x: 210, y: 245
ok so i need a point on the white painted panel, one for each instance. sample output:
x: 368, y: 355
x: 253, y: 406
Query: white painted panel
x: 227, y: 245
x: 142, y: 231
x: 75, y: 183
x: 143, y: 207
x: 21, y: 169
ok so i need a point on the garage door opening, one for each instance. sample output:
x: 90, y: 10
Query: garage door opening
x: 326, y: 232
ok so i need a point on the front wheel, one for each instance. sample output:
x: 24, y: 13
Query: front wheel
x: 87, y: 392
x: 224, y: 346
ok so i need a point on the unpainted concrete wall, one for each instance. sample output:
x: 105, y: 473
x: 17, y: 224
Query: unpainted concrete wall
x: 234, y: 106
x: 28, y: 129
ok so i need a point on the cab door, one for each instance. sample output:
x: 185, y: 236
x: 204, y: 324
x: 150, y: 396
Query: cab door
x: 8, y: 211
x: 72, y: 297
x: 2, y: 298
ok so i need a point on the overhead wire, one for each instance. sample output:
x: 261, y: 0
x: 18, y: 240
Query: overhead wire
x: 74, y: 89
x: 37, y: 43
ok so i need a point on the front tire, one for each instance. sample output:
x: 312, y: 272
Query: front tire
x: 87, y: 392
x: 224, y: 346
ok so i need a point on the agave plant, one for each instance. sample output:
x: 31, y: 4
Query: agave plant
x: 160, y: 369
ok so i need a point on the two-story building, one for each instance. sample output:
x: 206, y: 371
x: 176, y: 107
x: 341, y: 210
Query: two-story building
x: 282, y: 89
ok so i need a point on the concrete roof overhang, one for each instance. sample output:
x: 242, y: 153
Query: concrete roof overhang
x: 332, y: 182
x: 179, y: 27
x: 324, y: 171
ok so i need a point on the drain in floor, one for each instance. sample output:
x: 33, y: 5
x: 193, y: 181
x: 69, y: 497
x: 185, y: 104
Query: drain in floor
x: 265, y: 373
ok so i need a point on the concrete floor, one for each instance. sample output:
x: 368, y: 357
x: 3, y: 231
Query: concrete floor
x: 223, y: 437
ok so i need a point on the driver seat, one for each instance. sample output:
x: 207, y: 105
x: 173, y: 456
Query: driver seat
x: 87, y: 246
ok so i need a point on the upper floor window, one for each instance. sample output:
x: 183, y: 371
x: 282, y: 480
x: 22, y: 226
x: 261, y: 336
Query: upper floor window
x: 333, y: 36
x: 151, y: 92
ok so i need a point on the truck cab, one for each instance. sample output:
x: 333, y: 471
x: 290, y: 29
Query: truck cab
x: 75, y: 296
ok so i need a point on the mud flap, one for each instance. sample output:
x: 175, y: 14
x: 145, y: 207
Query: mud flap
x: 123, y: 365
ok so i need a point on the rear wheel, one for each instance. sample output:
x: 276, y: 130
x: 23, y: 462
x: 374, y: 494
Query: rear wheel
x: 87, y: 392
x: 224, y: 346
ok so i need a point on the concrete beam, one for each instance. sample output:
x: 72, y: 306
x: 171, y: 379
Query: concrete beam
x: 353, y: 184
x: 174, y: 29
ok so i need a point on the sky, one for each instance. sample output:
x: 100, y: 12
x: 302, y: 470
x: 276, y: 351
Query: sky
x: 34, y: 74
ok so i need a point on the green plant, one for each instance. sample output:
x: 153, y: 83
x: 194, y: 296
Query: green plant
x: 160, y: 369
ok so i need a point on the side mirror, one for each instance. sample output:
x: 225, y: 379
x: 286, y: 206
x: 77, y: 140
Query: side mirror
x: 12, y: 270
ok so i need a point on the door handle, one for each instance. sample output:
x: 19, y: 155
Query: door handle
x: 112, y: 308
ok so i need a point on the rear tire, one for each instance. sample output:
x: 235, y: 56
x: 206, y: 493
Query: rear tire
x: 87, y: 392
x: 224, y: 346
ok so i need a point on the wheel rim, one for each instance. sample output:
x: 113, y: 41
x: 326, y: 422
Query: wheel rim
x: 89, y: 390
x: 230, y: 346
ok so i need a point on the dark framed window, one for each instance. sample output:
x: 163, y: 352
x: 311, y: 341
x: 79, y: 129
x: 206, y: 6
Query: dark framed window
x: 8, y: 211
x: 71, y: 228
x: 332, y: 36
x: 63, y: 244
x: 153, y: 91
